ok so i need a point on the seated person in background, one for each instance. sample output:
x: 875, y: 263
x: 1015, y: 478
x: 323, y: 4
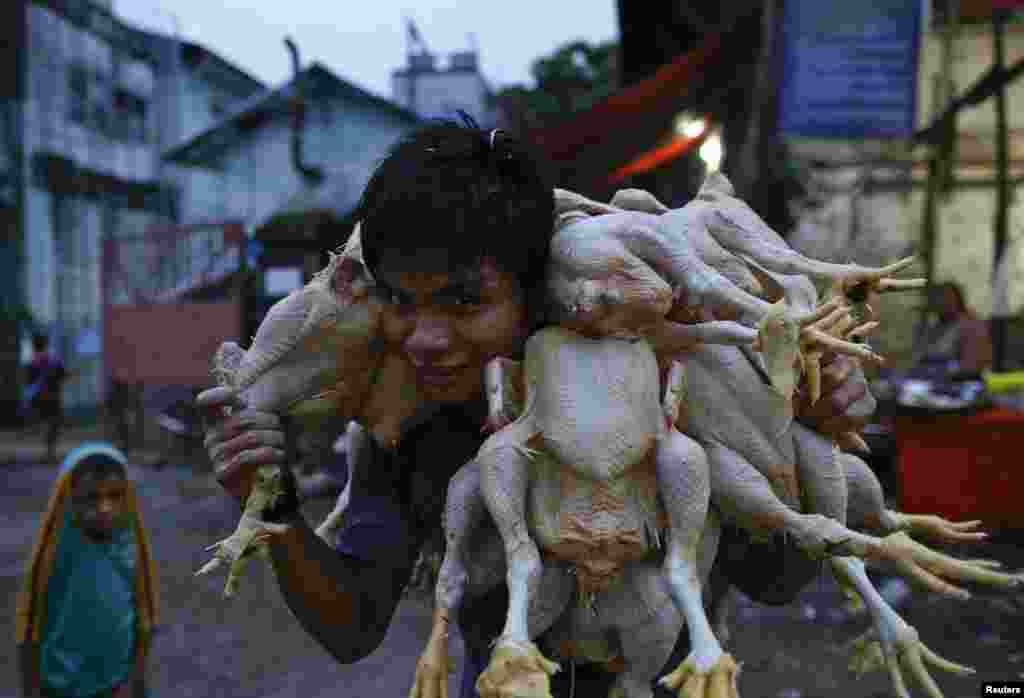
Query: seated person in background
x: 959, y: 343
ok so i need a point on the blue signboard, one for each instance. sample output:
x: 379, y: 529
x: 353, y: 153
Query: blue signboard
x: 849, y: 68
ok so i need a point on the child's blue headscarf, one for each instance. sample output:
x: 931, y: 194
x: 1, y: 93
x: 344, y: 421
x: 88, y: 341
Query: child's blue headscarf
x: 91, y: 448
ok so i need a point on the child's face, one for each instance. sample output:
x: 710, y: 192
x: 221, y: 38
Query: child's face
x: 100, y: 504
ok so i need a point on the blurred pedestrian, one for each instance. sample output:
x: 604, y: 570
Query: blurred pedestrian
x: 959, y: 342
x: 43, y: 403
x: 87, y: 609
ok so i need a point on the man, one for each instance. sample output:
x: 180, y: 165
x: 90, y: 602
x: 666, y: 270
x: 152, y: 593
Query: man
x: 46, y: 375
x: 456, y: 227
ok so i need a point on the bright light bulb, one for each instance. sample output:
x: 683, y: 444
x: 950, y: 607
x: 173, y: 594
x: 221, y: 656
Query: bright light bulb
x: 694, y: 129
x: 711, y: 152
x: 690, y: 126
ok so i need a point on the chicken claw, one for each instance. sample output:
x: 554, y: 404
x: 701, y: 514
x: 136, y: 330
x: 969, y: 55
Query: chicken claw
x: 903, y: 652
x: 938, y: 528
x: 932, y: 569
x: 831, y: 330
x: 858, y: 283
x: 717, y: 682
x: 517, y: 670
x: 434, y: 665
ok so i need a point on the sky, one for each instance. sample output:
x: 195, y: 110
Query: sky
x: 364, y: 40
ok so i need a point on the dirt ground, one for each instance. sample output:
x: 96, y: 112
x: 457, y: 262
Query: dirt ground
x: 252, y: 647
x: 802, y: 650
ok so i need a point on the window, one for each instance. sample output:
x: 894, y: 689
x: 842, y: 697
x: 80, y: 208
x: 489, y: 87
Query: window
x: 89, y: 99
x: 218, y: 107
x: 130, y: 111
x: 78, y: 94
x: 100, y: 120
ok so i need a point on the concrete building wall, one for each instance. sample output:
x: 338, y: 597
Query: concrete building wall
x: 435, y: 92
x: 441, y: 94
x: 883, y: 219
x: 200, y: 104
x: 59, y: 53
x: 255, y: 176
x: 77, y: 83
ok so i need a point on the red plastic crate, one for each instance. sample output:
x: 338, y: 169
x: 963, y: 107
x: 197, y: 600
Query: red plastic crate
x: 963, y: 467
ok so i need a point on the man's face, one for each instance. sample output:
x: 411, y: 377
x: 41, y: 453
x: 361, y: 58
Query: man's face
x: 99, y: 504
x: 449, y: 325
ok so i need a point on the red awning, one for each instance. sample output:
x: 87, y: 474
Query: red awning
x: 660, y: 155
x: 628, y: 107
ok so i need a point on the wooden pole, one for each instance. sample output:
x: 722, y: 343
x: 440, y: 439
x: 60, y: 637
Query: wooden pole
x: 939, y: 172
x: 748, y: 171
x: 1002, y: 178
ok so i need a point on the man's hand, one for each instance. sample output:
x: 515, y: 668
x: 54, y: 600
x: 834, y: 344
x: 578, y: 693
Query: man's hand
x: 845, y: 404
x: 239, y: 441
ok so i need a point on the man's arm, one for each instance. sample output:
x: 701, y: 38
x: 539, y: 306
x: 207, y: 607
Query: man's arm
x: 344, y: 601
x: 975, y: 345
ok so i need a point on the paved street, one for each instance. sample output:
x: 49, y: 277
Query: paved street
x: 253, y: 648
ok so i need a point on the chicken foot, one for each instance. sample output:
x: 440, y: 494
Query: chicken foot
x: 824, y: 485
x: 746, y: 496
x: 516, y: 664
x: 900, y: 643
x: 683, y: 482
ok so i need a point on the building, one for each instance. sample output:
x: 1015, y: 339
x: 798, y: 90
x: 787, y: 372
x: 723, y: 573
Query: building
x: 101, y: 100
x: 865, y: 201
x: 294, y: 198
x: 431, y: 90
x: 195, y: 89
x: 90, y: 170
x: 246, y: 156
x: 12, y: 95
x: 870, y: 200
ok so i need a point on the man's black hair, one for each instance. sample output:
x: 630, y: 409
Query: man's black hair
x: 449, y: 194
x: 99, y: 466
x: 40, y: 341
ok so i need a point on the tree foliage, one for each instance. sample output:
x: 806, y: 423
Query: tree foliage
x: 573, y: 77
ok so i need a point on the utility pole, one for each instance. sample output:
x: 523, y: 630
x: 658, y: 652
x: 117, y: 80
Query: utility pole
x: 760, y: 124
x: 1002, y: 178
x: 941, y: 157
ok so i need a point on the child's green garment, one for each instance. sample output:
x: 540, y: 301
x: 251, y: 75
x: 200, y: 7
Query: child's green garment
x: 87, y: 607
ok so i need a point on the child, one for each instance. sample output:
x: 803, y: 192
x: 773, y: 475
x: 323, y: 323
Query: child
x: 87, y: 609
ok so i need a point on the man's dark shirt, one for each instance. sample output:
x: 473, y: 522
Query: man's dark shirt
x: 46, y: 373
x: 398, y: 501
